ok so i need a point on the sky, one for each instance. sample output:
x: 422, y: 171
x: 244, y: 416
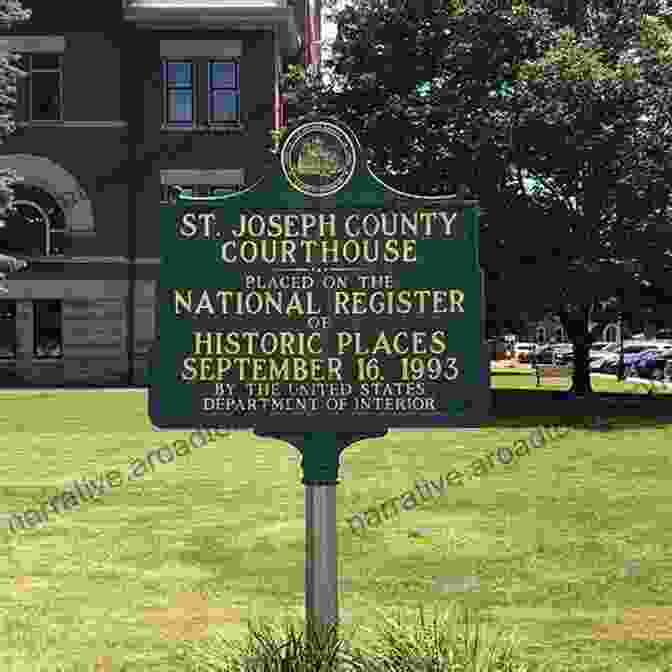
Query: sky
x: 328, y: 29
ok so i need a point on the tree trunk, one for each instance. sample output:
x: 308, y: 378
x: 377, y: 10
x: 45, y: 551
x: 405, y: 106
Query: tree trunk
x: 581, y: 376
x: 576, y: 327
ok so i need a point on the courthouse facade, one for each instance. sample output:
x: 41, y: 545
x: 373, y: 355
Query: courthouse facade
x: 124, y: 99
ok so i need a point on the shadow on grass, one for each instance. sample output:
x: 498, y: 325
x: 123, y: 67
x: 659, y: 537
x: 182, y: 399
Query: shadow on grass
x: 515, y: 408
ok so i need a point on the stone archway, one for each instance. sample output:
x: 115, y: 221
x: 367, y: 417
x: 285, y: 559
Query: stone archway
x: 39, y: 171
x: 36, y: 227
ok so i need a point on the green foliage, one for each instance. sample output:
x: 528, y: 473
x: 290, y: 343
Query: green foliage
x: 455, y: 7
x: 11, y: 12
x: 581, y: 60
x: 563, y: 134
x: 574, y: 62
x: 656, y: 34
x: 591, y: 126
x: 296, y: 74
x: 416, y: 88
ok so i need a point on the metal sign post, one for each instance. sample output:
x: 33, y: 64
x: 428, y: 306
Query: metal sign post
x: 315, y: 301
x: 321, y: 458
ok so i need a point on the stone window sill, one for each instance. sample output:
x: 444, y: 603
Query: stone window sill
x: 229, y: 128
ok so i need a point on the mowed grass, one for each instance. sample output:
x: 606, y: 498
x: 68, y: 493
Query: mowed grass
x: 552, y: 549
x: 523, y: 378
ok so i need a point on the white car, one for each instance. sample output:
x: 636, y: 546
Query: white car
x: 602, y: 361
x: 522, y: 351
x: 606, y: 349
x: 601, y: 346
x: 563, y: 354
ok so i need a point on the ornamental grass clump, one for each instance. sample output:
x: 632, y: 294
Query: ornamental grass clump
x: 442, y: 646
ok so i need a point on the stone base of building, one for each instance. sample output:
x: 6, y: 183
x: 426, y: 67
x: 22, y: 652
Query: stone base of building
x: 73, y: 373
x: 74, y: 332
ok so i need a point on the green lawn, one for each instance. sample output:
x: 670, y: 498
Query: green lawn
x: 523, y: 379
x: 549, y: 548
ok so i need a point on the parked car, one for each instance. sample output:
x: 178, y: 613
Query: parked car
x: 602, y: 347
x: 522, y: 351
x: 651, y: 365
x: 630, y: 361
x: 597, y: 349
x: 564, y: 358
x: 629, y: 352
x: 594, y: 354
x: 545, y: 355
x: 609, y: 360
x: 559, y: 349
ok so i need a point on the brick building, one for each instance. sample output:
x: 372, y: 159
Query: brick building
x: 124, y: 99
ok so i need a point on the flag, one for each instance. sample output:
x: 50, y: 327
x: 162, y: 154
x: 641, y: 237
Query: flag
x: 312, y: 35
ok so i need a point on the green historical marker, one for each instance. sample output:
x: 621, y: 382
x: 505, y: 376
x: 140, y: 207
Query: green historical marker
x: 319, y: 295
x: 320, y: 307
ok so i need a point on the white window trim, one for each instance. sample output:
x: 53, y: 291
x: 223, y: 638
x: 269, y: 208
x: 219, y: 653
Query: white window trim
x: 216, y: 177
x: 214, y: 49
x: 194, y: 93
x: 29, y: 111
x: 211, y: 121
x: 211, y: 51
x: 34, y: 44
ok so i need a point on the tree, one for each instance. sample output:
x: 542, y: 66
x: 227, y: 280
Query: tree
x: 416, y: 88
x: 11, y: 12
x: 564, y: 139
x: 591, y: 129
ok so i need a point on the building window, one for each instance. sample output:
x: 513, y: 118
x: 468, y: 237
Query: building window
x: 7, y: 329
x: 40, y: 94
x: 200, y: 92
x: 36, y: 228
x: 178, y: 78
x: 223, y: 92
x: 560, y: 335
x: 48, y: 341
x: 541, y: 334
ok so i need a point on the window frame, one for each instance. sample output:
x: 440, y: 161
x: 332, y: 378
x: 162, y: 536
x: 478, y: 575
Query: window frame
x: 36, y: 326
x: 24, y: 86
x: 12, y: 303
x: 212, y: 90
x: 201, y: 94
x: 166, y: 89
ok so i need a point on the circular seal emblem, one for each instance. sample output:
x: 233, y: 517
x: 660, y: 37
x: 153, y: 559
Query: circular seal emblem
x: 318, y: 158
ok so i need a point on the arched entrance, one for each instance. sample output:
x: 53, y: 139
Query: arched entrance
x: 65, y: 190
x: 36, y: 226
